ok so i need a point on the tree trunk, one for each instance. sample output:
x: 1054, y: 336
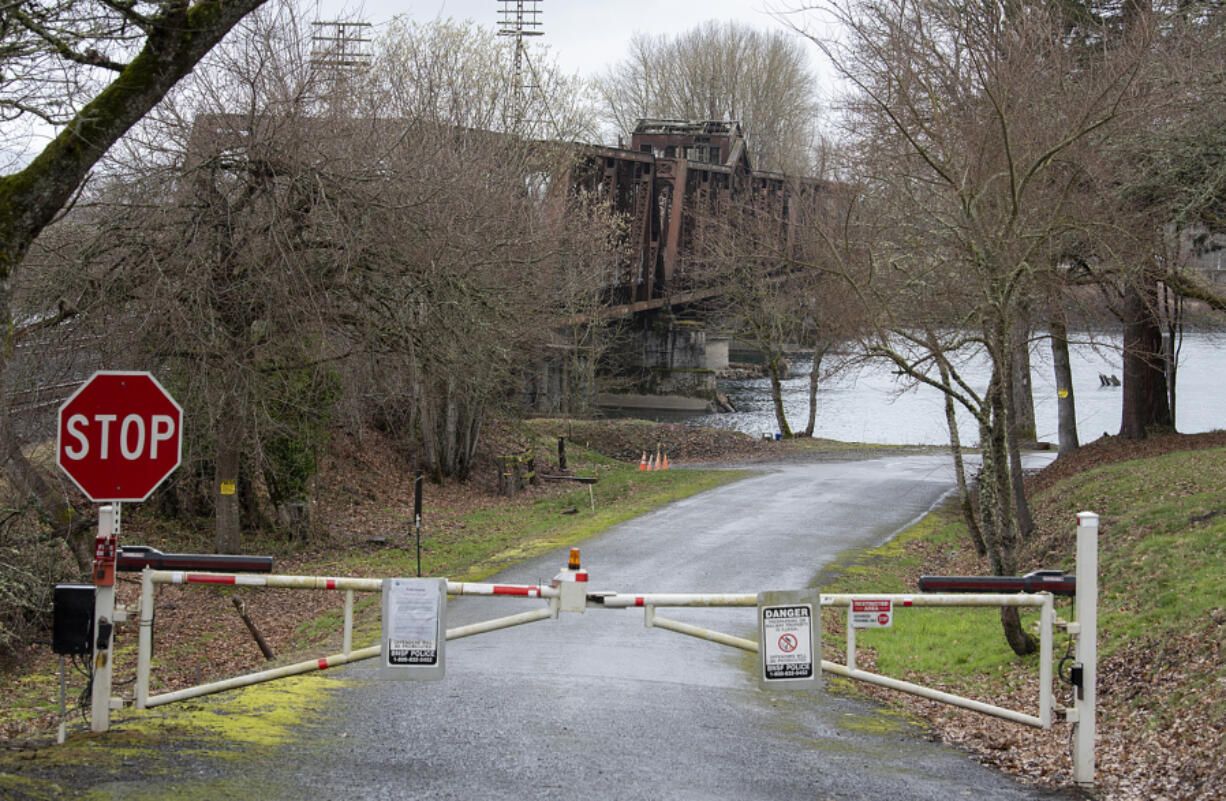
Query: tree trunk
x: 996, y: 494
x: 1145, y: 406
x: 1066, y: 406
x: 1021, y: 389
x: 775, y: 368
x: 819, y: 352
x: 1170, y: 351
x: 955, y: 447
x: 1011, y: 398
x: 1015, y: 634
x: 225, y: 484
x: 1017, y: 477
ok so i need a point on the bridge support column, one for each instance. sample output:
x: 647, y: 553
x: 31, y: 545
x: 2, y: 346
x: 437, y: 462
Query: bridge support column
x: 667, y: 362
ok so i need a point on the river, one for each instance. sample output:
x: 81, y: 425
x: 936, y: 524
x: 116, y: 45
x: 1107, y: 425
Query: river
x: 869, y: 403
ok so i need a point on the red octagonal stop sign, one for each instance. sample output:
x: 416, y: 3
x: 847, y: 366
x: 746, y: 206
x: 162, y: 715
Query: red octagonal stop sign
x: 119, y: 436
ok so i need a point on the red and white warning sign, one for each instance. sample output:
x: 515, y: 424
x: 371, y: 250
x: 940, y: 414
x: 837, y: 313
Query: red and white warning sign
x: 872, y: 614
x: 787, y: 632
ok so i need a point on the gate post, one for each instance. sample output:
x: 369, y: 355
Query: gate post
x: 1087, y: 648
x: 144, y: 647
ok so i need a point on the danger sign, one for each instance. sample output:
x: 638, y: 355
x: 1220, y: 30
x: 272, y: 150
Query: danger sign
x: 787, y: 632
x: 872, y: 614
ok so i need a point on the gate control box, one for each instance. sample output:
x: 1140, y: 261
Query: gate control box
x: 72, y: 619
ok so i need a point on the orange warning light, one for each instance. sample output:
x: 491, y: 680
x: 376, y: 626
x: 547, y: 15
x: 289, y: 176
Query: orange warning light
x: 573, y: 564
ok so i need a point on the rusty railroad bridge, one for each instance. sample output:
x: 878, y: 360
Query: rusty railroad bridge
x: 675, y: 174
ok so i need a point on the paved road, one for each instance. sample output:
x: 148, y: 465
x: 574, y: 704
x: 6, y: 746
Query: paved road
x: 594, y: 705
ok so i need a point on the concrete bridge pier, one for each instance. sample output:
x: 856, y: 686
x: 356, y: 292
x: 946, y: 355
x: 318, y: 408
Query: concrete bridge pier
x: 668, y: 365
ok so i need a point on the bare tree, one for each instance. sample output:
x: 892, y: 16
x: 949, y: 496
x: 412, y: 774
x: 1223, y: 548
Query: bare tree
x: 80, y: 73
x: 965, y: 119
x: 777, y: 290
x: 466, y: 256
x: 722, y: 71
x: 218, y: 244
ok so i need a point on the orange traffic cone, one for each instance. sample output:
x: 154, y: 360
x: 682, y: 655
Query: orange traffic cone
x: 643, y: 461
x: 665, y: 461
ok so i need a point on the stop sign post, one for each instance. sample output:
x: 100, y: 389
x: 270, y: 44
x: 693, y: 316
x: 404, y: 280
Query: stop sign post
x: 118, y: 437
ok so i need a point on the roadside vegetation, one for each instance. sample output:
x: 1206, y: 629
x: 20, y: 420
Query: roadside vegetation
x: 1162, y: 619
x: 1162, y: 674
x: 363, y: 526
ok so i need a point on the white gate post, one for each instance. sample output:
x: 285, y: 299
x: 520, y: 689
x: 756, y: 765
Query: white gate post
x: 104, y: 629
x: 1087, y: 648
x: 144, y: 653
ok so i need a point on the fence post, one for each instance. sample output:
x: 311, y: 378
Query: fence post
x: 144, y: 652
x: 851, y: 641
x: 1087, y: 648
x: 347, y: 646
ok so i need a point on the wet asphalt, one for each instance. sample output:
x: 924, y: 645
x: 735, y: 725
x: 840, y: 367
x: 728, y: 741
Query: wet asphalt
x: 595, y: 705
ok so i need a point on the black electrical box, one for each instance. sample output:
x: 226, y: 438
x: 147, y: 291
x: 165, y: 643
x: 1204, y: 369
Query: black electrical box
x: 72, y: 619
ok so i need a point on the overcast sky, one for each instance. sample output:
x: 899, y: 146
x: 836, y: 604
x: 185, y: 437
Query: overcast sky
x: 584, y: 35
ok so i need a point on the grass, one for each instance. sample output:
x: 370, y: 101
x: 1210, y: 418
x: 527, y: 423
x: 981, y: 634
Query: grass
x: 499, y: 537
x: 1163, y: 544
x: 1162, y: 611
x: 935, y: 643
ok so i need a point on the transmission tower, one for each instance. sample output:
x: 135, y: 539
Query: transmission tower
x: 340, y: 48
x: 520, y: 18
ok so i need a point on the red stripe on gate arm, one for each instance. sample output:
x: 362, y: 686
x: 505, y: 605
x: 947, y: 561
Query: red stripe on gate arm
x: 330, y: 584
x: 323, y: 664
x: 508, y: 589
x: 204, y: 578
x: 638, y: 600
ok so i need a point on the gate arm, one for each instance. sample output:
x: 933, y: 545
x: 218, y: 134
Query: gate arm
x: 501, y: 623
x: 614, y: 600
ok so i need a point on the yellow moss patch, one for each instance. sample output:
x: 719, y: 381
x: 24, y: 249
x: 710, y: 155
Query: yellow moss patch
x: 263, y: 714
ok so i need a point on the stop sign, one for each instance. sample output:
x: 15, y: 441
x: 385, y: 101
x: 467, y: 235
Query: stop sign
x: 119, y: 436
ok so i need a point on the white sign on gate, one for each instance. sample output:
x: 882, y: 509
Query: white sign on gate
x: 788, y: 642
x: 414, y: 628
x: 872, y: 614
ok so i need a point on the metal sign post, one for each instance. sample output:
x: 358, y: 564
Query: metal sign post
x: 417, y: 519
x: 789, y: 637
